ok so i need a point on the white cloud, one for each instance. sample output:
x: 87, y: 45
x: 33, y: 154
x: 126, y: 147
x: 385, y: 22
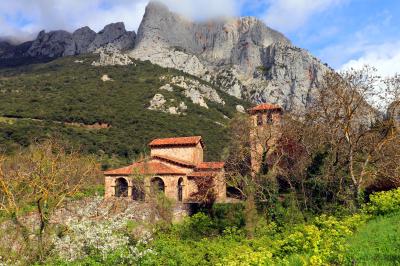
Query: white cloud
x: 24, y: 18
x: 290, y: 15
x: 384, y: 57
x: 204, y: 9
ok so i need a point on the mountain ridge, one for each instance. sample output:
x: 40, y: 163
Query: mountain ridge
x: 59, y: 43
x: 243, y: 56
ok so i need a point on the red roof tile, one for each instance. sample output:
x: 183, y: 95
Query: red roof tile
x: 177, y: 141
x: 210, y: 165
x: 145, y: 168
x: 174, y: 161
x: 265, y: 107
x: 127, y: 170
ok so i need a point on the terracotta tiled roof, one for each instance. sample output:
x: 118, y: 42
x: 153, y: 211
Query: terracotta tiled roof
x: 265, y: 107
x: 145, y: 168
x: 203, y: 174
x: 174, y: 161
x: 210, y: 165
x: 177, y: 141
x: 127, y: 170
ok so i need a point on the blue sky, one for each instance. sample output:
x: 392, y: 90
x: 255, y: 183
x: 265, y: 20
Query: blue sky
x: 342, y: 33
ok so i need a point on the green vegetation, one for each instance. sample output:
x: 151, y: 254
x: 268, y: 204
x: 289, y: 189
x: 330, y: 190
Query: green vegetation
x: 220, y: 239
x: 37, y: 100
x: 309, y: 204
x: 377, y: 242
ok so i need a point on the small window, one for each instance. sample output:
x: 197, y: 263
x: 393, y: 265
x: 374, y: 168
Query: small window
x: 269, y: 118
x: 259, y: 120
x: 180, y: 189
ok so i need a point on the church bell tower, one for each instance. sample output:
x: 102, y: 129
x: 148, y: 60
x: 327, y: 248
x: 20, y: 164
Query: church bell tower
x: 265, y: 129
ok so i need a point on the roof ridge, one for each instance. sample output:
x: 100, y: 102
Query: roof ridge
x: 265, y: 106
x: 190, y: 140
x: 172, y: 159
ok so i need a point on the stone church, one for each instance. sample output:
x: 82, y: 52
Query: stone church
x: 176, y: 166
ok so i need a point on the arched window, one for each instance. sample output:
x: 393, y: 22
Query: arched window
x: 121, y: 187
x: 137, y: 192
x: 157, y: 185
x: 180, y: 189
x: 269, y: 118
x: 259, y: 119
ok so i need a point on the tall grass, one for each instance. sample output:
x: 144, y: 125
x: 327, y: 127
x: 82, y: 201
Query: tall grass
x: 377, y: 242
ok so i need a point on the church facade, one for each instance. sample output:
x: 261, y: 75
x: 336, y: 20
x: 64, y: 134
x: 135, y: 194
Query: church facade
x: 176, y: 166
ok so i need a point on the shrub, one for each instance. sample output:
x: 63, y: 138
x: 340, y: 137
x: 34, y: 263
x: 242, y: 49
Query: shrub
x: 89, y: 242
x: 323, y: 242
x: 228, y: 215
x: 196, y: 227
x: 382, y: 203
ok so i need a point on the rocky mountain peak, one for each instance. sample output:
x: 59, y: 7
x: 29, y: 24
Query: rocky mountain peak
x: 215, y: 40
x: 52, y: 44
x: 59, y: 43
x: 241, y: 55
x: 83, y: 38
x: 114, y: 33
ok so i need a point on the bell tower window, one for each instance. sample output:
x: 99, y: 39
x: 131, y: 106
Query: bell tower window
x: 259, y: 119
x: 269, y: 118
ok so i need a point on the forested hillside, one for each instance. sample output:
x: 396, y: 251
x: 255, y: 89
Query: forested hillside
x: 67, y: 99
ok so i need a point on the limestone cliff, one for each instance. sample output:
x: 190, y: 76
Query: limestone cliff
x: 242, y: 55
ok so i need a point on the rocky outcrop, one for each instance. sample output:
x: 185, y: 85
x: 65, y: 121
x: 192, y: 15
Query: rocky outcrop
x: 60, y: 43
x: 393, y: 112
x: 111, y: 56
x: 243, y: 56
x: 83, y: 37
x: 8, y: 51
x: 53, y: 44
x: 105, y: 78
x: 159, y: 103
x: 4, y: 47
x: 221, y: 42
x: 240, y: 108
x: 193, y: 89
x: 115, y: 34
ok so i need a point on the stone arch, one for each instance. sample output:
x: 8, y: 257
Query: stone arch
x: 180, y: 189
x: 121, y: 187
x: 157, y: 185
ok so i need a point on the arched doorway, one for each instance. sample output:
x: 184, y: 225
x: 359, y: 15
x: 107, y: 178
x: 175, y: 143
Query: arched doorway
x: 180, y: 189
x: 137, y: 192
x: 157, y: 185
x: 121, y: 187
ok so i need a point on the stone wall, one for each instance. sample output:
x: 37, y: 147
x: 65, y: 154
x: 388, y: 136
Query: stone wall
x: 186, y: 153
x: 220, y: 187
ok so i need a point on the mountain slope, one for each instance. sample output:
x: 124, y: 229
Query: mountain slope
x: 243, y: 56
x: 105, y: 110
x: 250, y: 60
